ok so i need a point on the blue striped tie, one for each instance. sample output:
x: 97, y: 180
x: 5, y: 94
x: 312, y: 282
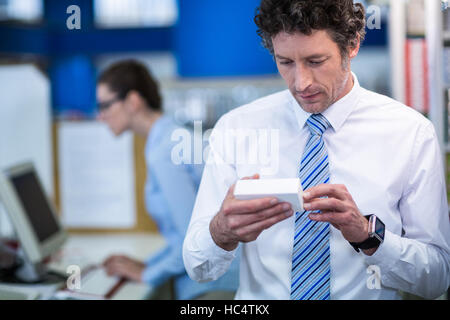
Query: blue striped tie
x: 310, y: 277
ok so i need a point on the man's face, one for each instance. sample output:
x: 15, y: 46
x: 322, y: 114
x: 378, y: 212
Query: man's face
x: 313, y: 68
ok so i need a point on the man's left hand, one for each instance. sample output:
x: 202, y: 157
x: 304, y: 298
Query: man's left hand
x: 338, y: 209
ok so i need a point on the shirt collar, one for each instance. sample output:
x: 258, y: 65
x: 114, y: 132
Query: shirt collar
x: 337, y: 113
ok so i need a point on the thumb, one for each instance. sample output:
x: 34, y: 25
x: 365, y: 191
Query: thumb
x: 230, y: 193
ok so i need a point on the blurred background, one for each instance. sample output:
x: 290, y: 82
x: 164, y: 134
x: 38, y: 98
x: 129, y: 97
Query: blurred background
x: 206, y: 55
x: 208, y: 59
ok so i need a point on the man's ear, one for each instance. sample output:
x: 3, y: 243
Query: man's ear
x: 133, y: 101
x: 354, y: 47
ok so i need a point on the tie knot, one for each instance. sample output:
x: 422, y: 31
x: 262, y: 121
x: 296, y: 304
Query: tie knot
x: 317, y: 124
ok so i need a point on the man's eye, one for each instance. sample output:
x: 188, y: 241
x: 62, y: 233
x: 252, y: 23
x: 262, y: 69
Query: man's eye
x: 286, y: 62
x: 316, y: 63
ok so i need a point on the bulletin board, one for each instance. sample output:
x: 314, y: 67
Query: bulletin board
x: 142, y: 222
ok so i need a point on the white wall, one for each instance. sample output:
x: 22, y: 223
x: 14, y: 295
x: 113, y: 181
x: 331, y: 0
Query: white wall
x: 25, y: 123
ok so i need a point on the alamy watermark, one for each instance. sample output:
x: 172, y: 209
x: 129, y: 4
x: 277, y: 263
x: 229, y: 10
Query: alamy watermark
x: 374, y: 278
x: 373, y: 16
x: 74, y: 20
x: 73, y: 282
x: 258, y: 147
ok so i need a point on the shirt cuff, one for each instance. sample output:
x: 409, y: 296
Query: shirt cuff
x: 387, y: 253
x: 206, y: 243
x: 148, y: 277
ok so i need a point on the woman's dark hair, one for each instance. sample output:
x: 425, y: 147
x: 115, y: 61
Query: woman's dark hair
x: 343, y: 19
x: 125, y: 76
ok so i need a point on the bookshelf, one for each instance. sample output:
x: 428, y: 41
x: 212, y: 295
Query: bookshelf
x: 412, y: 21
x: 429, y: 21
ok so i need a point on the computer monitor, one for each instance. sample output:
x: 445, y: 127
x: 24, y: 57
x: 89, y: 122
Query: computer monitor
x: 33, y: 217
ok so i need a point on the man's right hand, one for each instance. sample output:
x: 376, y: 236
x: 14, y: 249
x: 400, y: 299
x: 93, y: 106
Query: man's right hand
x: 244, y: 220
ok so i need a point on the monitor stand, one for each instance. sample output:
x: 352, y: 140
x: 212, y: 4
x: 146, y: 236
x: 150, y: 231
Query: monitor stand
x: 26, y: 272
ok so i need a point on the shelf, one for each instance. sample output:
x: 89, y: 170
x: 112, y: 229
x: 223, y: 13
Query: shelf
x: 446, y: 36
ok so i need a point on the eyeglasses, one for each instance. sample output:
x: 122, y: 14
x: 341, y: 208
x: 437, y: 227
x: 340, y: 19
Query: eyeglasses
x: 102, y: 106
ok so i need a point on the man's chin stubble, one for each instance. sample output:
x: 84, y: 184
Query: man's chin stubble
x: 313, y: 109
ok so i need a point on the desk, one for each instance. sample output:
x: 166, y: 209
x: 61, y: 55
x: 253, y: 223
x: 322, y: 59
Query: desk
x: 86, y: 249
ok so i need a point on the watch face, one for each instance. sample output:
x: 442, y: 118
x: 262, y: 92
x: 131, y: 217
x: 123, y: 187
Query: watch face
x: 376, y: 227
x: 379, y: 229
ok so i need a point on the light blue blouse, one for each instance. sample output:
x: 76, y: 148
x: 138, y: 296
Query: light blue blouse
x: 170, y: 194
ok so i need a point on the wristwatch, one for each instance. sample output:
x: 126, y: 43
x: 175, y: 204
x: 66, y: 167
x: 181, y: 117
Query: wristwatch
x: 376, y: 234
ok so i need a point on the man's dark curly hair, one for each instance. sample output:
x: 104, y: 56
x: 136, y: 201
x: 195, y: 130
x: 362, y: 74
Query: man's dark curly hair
x: 343, y: 19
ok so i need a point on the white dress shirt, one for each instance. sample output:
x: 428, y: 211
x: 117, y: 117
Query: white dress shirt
x: 388, y: 157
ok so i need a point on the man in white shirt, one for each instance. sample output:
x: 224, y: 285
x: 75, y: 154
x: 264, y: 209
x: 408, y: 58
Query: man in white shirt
x: 369, y: 156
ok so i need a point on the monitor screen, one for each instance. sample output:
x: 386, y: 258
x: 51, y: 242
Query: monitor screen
x: 35, y: 205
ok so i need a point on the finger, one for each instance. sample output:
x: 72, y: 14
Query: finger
x: 331, y: 217
x: 115, y: 260
x: 230, y: 193
x: 258, y: 227
x: 117, y: 268
x: 328, y: 204
x: 250, y: 206
x: 337, y: 226
x: 109, y: 260
x: 311, y: 201
x: 106, y: 262
x: 337, y: 218
x: 326, y: 190
x: 255, y: 176
x: 109, y: 270
x: 124, y: 259
x: 243, y: 220
x: 116, y: 257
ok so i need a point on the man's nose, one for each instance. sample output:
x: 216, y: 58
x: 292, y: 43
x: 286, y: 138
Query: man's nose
x: 303, y: 78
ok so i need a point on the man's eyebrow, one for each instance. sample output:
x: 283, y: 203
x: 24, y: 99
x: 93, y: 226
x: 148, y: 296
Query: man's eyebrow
x: 281, y: 57
x: 313, y: 56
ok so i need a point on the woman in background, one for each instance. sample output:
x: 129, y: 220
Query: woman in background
x: 129, y: 99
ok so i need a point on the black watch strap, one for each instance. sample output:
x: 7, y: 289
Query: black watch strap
x: 369, y: 243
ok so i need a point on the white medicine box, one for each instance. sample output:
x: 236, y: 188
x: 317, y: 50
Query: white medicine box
x: 286, y: 190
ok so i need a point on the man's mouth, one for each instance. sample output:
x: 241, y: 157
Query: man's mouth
x: 309, y: 96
